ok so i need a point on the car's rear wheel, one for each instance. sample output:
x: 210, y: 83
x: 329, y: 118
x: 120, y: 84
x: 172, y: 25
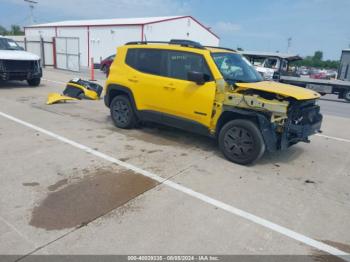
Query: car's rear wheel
x: 34, y: 81
x: 122, y: 112
x: 241, y: 141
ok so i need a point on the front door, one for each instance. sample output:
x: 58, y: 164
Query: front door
x: 186, y: 99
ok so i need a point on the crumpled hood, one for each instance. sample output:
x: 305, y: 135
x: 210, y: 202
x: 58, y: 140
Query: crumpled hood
x: 296, y: 92
x: 17, y: 55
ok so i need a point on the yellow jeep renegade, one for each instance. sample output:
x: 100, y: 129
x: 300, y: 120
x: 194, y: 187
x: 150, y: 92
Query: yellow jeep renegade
x: 212, y: 91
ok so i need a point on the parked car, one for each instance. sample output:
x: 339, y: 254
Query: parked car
x: 212, y: 91
x: 332, y: 74
x: 318, y: 74
x: 303, y: 71
x: 106, y: 63
x: 17, y: 64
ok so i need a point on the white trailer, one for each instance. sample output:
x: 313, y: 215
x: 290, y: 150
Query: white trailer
x: 280, y: 66
x: 98, y: 39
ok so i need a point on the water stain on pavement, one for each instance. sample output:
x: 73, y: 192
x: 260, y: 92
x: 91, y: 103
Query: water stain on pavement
x: 341, y: 246
x: 57, y: 185
x: 325, y: 257
x: 93, y: 196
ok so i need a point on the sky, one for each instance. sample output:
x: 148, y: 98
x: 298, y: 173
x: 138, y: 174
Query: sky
x: 255, y: 25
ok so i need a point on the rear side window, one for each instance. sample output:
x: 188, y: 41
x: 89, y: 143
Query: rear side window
x: 180, y: 63
x: 148, y: 61
x: 168, y: 63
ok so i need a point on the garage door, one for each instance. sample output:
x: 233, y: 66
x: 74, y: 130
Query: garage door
x: 67, y: 53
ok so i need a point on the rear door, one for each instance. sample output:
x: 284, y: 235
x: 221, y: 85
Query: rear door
x: 147, y: 78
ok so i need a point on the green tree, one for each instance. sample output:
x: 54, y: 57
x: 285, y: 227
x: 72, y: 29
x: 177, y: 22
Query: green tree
x: 318, y: 56
x: 16, y: 30
x: 240, y: 49
x: 317, y: 62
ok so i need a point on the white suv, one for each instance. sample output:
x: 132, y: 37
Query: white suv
x: 17, y: 64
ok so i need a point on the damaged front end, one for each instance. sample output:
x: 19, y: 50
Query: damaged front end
x: 304, y: 119
x: 79, y: 88
x: 19, y: 69
x: 283, y: 121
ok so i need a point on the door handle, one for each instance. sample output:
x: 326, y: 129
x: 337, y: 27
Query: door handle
x: 169, y: 87
x: 133, y: 80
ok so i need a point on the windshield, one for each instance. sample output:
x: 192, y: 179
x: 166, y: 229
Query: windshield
x: 8, y: 44
x: 235, y: 68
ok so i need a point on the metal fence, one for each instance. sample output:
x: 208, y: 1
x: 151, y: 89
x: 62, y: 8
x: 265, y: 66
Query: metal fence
x: 43, y: 47
x: 67, y: 53
x: 59, y: 52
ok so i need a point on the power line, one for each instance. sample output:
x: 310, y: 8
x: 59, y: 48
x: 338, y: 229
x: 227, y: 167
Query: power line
x: 289, y: 44
x: 31, y: 4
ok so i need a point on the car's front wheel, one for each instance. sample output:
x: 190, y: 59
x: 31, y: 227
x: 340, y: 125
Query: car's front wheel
x: 241, y: 141
x: 34, y: 81
x: 122, y: 112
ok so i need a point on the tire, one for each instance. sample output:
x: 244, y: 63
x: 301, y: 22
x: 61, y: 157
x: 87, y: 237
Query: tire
x: 122, y: 112
x: 346, y: 95
x: 241, y: 141
x: 34, y: 81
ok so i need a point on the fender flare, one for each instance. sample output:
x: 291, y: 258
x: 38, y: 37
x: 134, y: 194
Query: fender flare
x: 265, y: 126
x: 113, y: 90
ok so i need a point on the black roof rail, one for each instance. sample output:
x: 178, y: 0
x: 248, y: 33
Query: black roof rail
x: 223, y: 48
x: 181, y: 42
x: 187, y: 43
x: 146, y: 42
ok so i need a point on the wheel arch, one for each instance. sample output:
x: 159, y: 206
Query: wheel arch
x: 229, y: 114
x: 114, y: 90
x: 263, y: 124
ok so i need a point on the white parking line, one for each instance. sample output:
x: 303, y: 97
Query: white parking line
x: 53, y: 81
x: 334, y: 138
x: 17, y: 231
x: 61, y: 82
x: 231, y: 209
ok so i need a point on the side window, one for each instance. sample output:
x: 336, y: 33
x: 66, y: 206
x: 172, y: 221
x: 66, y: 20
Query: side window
x: 180, y: 63
x: 148, y: 61
x: 131, y: 58
x: 271, y: 63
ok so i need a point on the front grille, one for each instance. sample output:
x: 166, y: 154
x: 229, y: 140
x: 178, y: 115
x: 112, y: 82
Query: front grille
x: 18, y: 66
x: 304, y: 120
x: 306, y: 112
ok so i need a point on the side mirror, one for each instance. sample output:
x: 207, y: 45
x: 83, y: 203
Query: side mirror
x: 198, y: 77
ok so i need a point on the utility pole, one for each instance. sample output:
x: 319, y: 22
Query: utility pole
x: 31, y: 3
x: 289, y: 44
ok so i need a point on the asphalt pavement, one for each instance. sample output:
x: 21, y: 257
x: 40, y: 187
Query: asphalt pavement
x: 72, y: 183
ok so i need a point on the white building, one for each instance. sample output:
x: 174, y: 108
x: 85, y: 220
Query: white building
x: 99, y: 38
